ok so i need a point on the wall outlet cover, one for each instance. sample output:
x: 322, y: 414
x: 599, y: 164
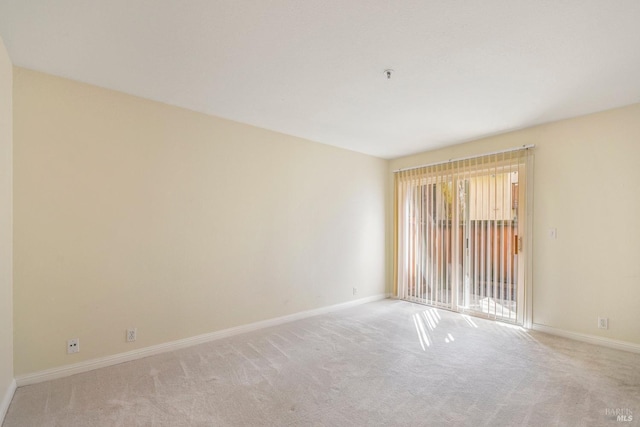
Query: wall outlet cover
x: 603, y: 323
x: 73, y: 345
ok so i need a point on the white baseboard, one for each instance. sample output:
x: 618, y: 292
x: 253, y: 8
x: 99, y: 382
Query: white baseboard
x: 88, y: 365
x: 6, y: 400
x: 591, y: 339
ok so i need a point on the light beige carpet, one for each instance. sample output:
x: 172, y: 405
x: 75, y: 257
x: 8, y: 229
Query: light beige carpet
x: 388, y: 363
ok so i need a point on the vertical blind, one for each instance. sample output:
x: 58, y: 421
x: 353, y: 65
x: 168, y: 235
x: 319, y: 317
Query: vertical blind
x: 459, y: 229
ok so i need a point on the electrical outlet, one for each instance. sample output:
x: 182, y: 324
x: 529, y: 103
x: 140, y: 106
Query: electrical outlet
x: 73, y: 345
x: 131, y: 334
x: 355, y: 291
x: 603, y: 323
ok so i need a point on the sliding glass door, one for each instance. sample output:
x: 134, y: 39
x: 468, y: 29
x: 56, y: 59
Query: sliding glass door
x: 459, y: 232
x: 427, y: 234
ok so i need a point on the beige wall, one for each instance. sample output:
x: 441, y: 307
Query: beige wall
x: 6, y: 227
x: 586, y: 176
x: 131, y: 213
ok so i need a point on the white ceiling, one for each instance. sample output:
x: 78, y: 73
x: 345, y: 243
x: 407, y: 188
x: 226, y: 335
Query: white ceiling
x: 314, y: 68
